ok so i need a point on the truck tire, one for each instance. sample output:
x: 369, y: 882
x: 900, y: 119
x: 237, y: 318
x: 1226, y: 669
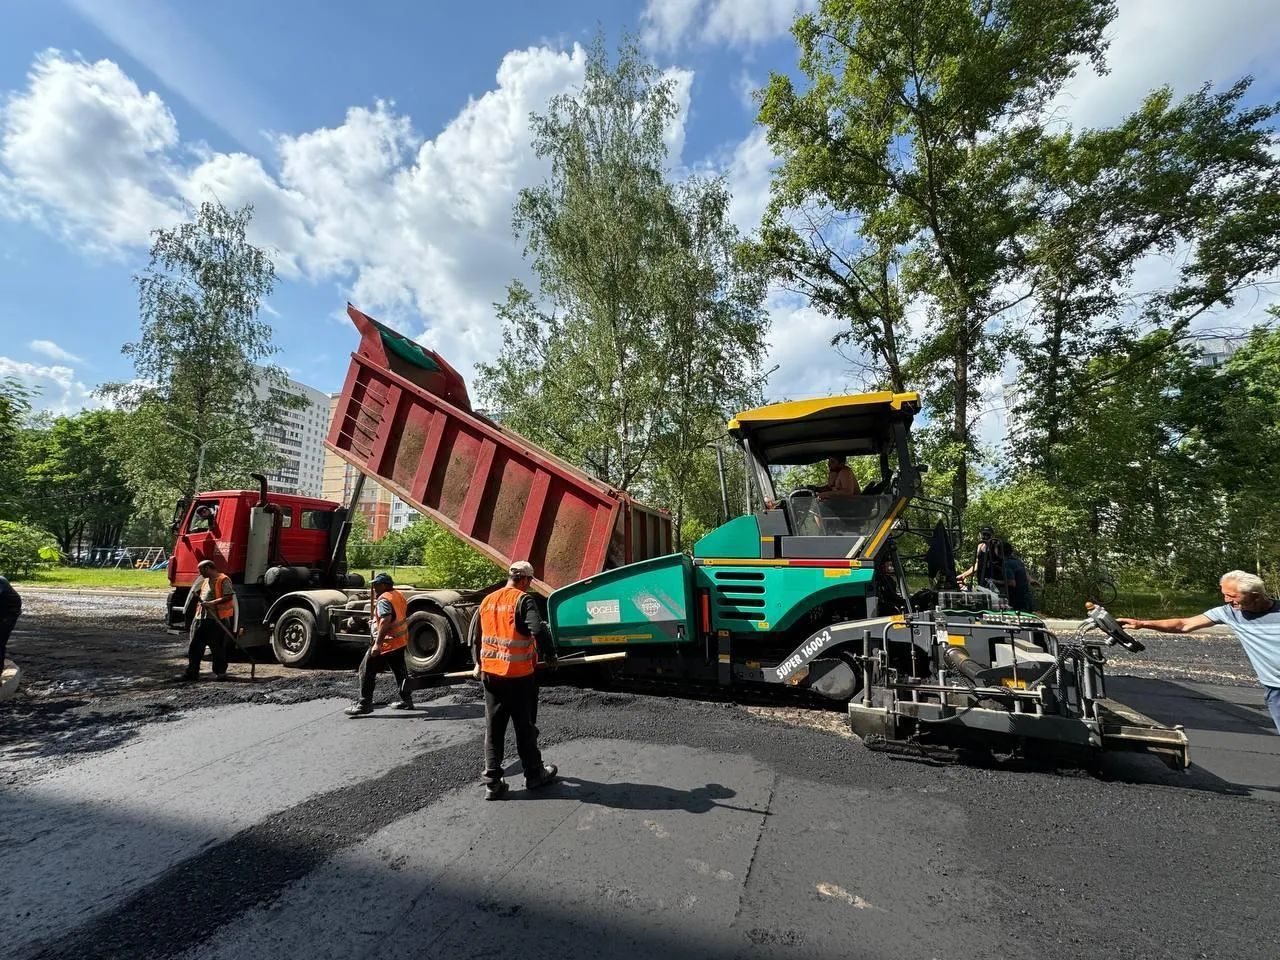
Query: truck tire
x: 294, y: 640
x: 430, y: 642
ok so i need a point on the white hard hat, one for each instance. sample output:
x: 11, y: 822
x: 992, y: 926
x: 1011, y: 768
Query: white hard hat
x: 521, y: 568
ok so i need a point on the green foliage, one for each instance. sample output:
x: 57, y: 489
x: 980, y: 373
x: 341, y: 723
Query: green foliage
x: 451, y: 562
x: 76, y: 485
x: 645, y: 332
x: 20, y: 548
x: 1029, y: 512
x: 15, y: 404
x: 196, y: 361
x: 904, y: 162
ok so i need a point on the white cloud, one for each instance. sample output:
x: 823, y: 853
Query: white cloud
x: 800, y: 348
x: 1178, y: 42
x: 749, y: 173
x: 84, y: 147
x: 56, y: 387
x: 410, y: 225
x: 54, y: 352
x: 669, y: 24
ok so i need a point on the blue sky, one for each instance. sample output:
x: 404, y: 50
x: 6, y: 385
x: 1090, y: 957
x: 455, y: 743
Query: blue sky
x: 383, y: 144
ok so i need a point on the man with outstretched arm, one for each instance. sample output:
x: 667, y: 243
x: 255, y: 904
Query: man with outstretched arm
x: 1253, y: 617
x: 512, y: 633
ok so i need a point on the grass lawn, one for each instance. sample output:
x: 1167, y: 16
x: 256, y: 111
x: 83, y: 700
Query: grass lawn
x: 109, y: 579
x: 100, y: 577
x: 1149, y: 604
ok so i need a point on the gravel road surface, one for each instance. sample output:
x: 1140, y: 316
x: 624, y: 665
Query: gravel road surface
x: 147, y: 819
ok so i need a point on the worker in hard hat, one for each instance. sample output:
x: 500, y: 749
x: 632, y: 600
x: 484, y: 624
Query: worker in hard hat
x: 512, y: 633
x: 389, y: 626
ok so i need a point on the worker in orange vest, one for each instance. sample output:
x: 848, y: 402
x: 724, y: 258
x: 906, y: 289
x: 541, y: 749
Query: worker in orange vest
x: 512, y: 632
x: 389, y: 625
x: 214, y: 597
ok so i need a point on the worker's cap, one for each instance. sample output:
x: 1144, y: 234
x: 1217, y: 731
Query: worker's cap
x: 383, y: 580
x: 206, y: 565
x: 986, y: 532
x: 521, y: 568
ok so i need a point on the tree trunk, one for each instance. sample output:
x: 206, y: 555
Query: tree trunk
x: 960, y: 420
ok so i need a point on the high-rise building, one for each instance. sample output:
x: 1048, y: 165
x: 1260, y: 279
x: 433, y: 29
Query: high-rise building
x: 299, y: 436
x: 382, y: 509
x: 1214, y: 351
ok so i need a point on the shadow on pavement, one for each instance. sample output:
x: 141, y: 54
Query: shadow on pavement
x: 637, y: 796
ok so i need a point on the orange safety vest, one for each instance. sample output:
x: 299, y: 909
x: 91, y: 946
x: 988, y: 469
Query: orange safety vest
x: 504, y: 651
x: 221, y: 588
x: 399, y: 633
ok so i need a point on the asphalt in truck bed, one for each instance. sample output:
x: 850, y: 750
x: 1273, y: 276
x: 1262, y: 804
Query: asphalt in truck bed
x: 241, y: 819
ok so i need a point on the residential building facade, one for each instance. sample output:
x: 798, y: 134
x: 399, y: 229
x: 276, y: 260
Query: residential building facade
x: 299, y: 436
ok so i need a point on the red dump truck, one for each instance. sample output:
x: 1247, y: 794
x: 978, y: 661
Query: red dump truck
x: 405, y: 418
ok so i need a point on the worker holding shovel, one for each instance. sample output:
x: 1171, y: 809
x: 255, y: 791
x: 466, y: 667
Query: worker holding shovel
x: 214, y: 622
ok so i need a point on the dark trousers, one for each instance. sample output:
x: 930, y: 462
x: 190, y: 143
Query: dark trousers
x: 373, y: 664
x: 205, y: 632
x: 514, y: 699
x: 6, y: 628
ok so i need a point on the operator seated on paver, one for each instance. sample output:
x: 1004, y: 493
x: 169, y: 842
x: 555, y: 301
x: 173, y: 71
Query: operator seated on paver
x: 840, y: 480
x: 214, y: 620
x: 1253, y: 617
x: 390, y: 635
x: 512, y: 634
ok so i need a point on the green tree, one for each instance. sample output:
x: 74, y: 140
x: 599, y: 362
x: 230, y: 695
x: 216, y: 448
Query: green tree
x: 918, y: 123
x: 201, y: 351
x: 15, y: 405
x: 1166, y: 178
x: 645, y: 332
x: 77, y: 487
x: 22, y: 548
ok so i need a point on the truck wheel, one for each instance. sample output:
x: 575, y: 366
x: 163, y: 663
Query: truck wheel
x: 294, y: 640
x: 430, y: 642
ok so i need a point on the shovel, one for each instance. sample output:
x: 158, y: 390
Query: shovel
x: 460, y: 676
x: 235, y: 638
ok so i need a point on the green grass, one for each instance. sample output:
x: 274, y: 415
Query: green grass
x: 103, y: 578
x: 109, y: 579
x: 1145, y: 603
x: 95, y: 577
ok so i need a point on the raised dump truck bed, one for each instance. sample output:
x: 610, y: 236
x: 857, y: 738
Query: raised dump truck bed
x: 404, y: 418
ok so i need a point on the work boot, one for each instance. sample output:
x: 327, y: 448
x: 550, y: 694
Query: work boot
x: 404, y: 703
x: 220, y: 676
x: 541, y: 778
x: 187, y: 676
x: 359, y: 709
x: 496, y: 791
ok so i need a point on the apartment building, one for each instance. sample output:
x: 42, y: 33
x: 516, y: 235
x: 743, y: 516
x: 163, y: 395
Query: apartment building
x: 383, y: 510
x: 299, y: 436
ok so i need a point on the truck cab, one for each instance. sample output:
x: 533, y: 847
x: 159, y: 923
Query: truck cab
x: 253, y: 537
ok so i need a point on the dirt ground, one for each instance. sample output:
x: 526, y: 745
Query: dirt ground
x: 95, y: 664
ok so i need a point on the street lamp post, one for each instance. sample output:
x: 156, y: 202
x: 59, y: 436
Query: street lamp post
x: 200, y: 458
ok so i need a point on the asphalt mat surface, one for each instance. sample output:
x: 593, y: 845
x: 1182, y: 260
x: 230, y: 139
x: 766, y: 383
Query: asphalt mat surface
x: 144, y: 819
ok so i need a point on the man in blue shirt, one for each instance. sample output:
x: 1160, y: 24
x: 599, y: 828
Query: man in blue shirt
x: 1252, y: 616
x: 1019, y: 581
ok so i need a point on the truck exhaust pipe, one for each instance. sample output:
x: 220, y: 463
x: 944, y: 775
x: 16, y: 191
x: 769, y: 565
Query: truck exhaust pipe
x: 262, y: 488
